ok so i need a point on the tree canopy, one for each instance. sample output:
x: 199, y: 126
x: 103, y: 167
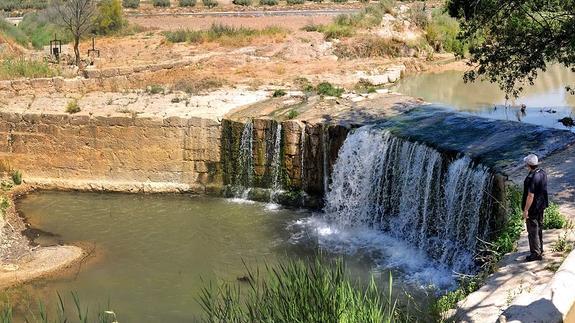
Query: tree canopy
x: 513, y: 40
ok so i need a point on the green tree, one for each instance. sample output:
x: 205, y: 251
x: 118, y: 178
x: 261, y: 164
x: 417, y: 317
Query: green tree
x: 110, y: 17
x: 512, y: 41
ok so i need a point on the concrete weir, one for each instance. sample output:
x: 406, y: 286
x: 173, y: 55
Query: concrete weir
x: 289, y: 162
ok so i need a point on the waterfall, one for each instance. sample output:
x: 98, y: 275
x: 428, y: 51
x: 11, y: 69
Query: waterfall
x: 302, y: 157
x: 244, y: 175
x: 325, y: 148
x: 413, y: 193
x: 276, y: 165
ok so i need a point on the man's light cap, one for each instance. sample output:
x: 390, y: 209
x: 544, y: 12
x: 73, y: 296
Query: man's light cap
x: 531, y: 160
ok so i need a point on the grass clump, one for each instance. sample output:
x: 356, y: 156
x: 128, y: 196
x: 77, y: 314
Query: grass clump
x: 11, y: 68
x: 562, y: 244
x: 339, y: 1
x: 293, y: 2
x: 225, y: 35
x: 132, y: 4
x: 40, y: 30
x: 196, y: 86
x: 327, y: 89
x: 372, y: 46
x: 292, y: 114
x: 155, y: 89
x: 268, y: 2
x: 279, y: 93
x: 161, y: 3
x: 388, y: 6
x: 187, y: 3
x: 244, y: 3
x: 553, y: 219
x: 73, y: 107
x: 17, y: 177
x: 13, y: 32
x: 210, y: 3
x: 297, y: 291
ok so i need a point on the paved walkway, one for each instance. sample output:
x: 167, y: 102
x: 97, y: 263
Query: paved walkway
x: 517, y: 281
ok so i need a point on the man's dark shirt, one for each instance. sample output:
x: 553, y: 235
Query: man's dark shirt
x: 536, y: 183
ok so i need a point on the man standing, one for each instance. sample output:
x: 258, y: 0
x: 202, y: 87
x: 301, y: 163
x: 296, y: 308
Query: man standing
x: 534, y: 203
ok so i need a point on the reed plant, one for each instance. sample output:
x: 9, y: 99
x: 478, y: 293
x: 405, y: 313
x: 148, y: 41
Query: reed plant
x: 299, y: 291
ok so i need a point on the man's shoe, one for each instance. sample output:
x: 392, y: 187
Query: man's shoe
x: 533, y: 258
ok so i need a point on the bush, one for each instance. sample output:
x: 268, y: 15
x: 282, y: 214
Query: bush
x: 11, y: 5
x: 109, y: 18
x: 553, y: 219
x: 441, y: 33
x: 210, y: 3
x: 418, y: 15
x: 161, y: 3
x: 155, y: 89
x: 19, y: 67
x: 296, y: 291
x: 295, y: 1
x: 225, y: 35
x: 73, y: 107
x: 292, y: 114
x: 17, y: 177
x: 40, y: 30
x: 339, y: 1
x: 242, y: 2
x: 325, y: 88
x: 187, y: 3
x: 336, y: 31
x: 133, y: 4
x: 268, y: 2
x: 279, y: 93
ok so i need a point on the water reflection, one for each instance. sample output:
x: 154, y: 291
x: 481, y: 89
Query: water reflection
x: 545, y: 103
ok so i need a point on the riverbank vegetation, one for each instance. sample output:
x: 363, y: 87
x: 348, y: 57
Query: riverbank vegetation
x: 505, y: 241
x: 298, y: 291
x: 223, y: 34
x: 17, y: 67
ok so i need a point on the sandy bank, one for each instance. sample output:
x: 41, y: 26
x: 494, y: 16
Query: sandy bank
x: 39, y: 263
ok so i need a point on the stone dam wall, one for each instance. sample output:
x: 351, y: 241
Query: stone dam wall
x: 61, y: 151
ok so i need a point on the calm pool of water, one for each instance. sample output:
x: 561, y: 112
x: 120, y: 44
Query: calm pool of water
x: 155, y: 253
x: 546, y: 101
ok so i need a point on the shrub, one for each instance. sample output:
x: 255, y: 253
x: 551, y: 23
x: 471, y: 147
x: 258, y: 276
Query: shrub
x: 73, y: 107
x: 339, y: 1
x: 441, y: 33
x: 40, y: 30
x: 161, y: 3
x: 553, y: 219
x: 187, y: 3
x: 296, y: 291
x: 17, y: 177
x: 155, y: 89
x: 11, y: 5
x: 210, y: 3
x: 295, y: 1
x: 19, y: 67
x: 312, y: 27
x: 133, y: 4
x: 242, y: 2
x: 279, y: 93
x: 418, y: 15
x: 4, y: 205
x: 292, y: 114
x: 13, y: 32
x: 325, y: 88
x: 110, y: 17
x: 336, y: 31
x: 225, y: 35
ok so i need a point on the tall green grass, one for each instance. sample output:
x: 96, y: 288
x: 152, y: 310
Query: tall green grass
x: 12, y: 32
x: 223, y: 34
x: 298, y: 291
x: 11, y: 68
x: 40, y: 30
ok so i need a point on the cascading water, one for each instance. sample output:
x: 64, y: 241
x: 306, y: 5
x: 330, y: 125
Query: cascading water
x: 244, y: 174
x: 412, y: 193
x: 325, y: 154
x: 276, y: 185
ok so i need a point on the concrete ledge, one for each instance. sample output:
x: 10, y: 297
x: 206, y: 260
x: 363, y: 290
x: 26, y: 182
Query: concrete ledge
x: 114, y: 186
x: 554, y: 304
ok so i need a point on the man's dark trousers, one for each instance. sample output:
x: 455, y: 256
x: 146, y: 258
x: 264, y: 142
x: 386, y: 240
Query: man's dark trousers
x: 535, y: 233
